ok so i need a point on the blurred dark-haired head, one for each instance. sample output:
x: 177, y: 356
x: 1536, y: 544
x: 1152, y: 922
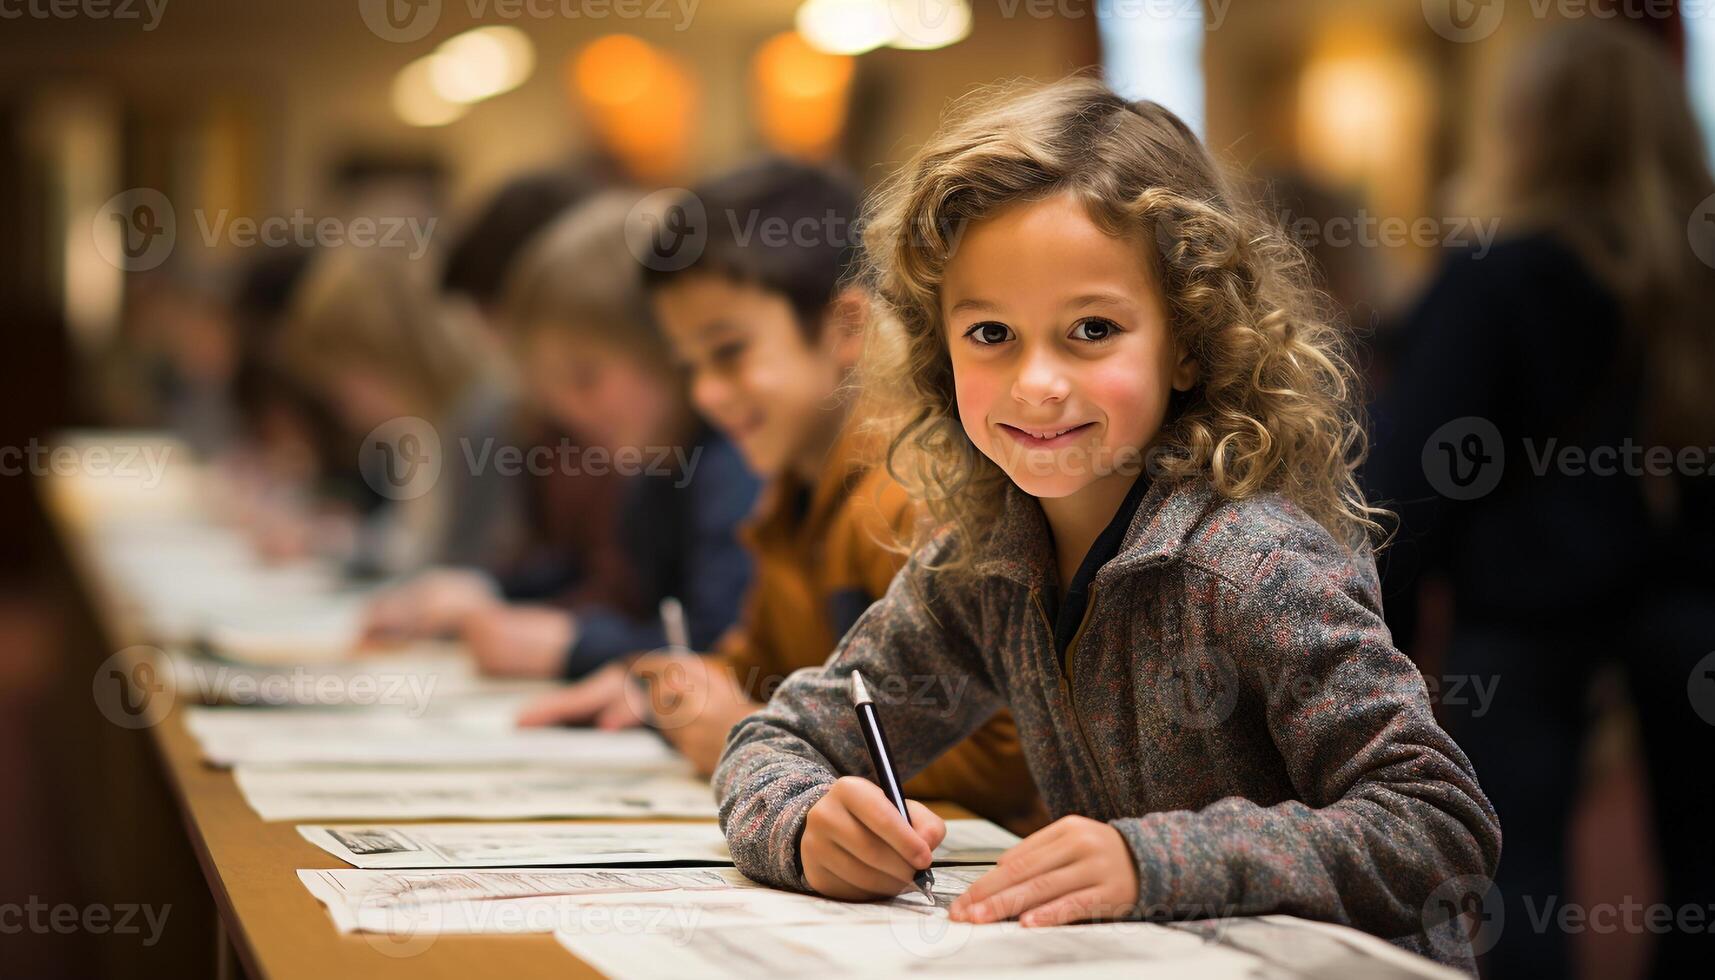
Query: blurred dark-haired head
x: 481, y: 258
x: 784, y: 226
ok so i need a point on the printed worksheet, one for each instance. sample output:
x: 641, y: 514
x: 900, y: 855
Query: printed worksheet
x: 490, y: 845
x: 415, y: 903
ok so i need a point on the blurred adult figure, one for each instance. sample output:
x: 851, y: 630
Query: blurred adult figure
x: 1545, y: 441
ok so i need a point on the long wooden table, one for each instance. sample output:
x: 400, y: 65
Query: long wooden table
x: 266, y: 923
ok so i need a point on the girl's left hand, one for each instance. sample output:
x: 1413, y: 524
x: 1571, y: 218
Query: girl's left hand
x: 1071, y: 870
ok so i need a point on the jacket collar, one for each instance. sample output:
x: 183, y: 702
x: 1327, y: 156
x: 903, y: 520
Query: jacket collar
x: 1020, y: 547
x: 784, y: 515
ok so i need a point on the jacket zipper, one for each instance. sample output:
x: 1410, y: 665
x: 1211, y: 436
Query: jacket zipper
x: 1063, y: 670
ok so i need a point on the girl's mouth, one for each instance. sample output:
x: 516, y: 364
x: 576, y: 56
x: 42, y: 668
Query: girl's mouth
x: 1042, y: 438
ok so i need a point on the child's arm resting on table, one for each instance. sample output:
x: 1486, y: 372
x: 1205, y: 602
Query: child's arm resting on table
x: 783, y: 760
x: 1390, y: 806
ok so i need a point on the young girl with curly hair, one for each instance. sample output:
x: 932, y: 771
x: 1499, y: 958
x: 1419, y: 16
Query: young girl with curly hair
x: 1135, y: 435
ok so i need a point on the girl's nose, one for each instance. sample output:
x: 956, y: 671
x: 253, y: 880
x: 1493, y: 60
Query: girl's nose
x: 1040, y: 378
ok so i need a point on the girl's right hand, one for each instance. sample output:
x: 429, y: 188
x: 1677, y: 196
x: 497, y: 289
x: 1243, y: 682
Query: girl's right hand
x: 857, y: 847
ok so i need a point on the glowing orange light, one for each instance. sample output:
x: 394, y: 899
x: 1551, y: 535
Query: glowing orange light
x: 800, y: 95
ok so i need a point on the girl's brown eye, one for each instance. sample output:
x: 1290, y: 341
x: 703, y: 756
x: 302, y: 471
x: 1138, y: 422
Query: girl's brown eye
x: 989, y: 332
x: 1094, y: 328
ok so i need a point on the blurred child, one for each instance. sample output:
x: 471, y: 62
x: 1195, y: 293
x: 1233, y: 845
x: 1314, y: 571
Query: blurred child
x: 367, y: 335
x: 1204, y: 688
x: 595, y: 364
x: 770, y: 338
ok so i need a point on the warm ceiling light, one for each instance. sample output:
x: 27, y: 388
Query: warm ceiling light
x: 616, y: 70
x: 416, y: 99
x: 923, y: 25
x: 640, y: 101
x: 800, y: 95
x: 846, y: 26
x: 482, y: 63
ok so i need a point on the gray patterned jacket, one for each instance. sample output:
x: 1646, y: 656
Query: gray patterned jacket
x: 1233, y: 705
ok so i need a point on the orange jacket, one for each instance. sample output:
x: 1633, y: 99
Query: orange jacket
x: 822, y: 556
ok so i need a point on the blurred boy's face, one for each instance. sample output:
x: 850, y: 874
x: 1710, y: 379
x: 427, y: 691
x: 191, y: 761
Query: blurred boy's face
x: 1062, y: 356
x: 752, y: 372
x: 599, y: 391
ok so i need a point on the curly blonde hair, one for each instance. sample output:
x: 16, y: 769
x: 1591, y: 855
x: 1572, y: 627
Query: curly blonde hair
x: 1274, y: 405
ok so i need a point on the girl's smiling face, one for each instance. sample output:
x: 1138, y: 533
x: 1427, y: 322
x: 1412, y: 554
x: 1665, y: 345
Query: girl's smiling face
x: 1062, y: 356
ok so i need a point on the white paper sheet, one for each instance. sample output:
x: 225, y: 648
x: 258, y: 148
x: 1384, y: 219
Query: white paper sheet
x: 488, y: 845
x: 472, y: 793
x: 478, y: 732
x: 422, y: 903
x: 659, y: 947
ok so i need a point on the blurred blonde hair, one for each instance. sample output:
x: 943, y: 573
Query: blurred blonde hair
x: 1592, y: 138
x: 1273, y: 407
x: 579, y: 277
x: 377, y: 308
